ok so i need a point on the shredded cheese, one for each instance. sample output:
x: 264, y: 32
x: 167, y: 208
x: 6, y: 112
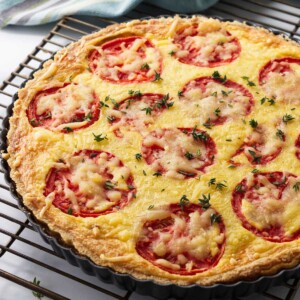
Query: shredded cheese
x: 285, y: 86
x: 196, y: 238
x: 175, y: 144
x: 91, y: 177
x: 65, y: 103
x: 212, y: 104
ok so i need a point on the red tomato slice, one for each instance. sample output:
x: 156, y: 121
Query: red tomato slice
x: 111, y: 63
x: 209, y: 55
x: 48, y: 121
x: 150, y: 235
x: 59, y: 179
x: 221, y: 100
x: 255, y: 153
x: 157, y: 154
x: 279, y: 65
x: 280, y: 81
x: 134, y: 111
x: 280, y: 181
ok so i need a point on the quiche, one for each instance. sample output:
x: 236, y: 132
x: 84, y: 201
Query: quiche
x: 167, y: 149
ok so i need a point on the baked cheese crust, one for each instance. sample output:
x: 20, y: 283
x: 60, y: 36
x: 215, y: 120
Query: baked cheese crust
x: 167, y: 149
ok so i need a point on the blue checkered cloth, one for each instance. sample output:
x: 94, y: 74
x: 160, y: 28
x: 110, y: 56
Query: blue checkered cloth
x: 33, y: 12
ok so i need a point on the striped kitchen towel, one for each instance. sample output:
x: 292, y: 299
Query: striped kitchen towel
x: 32, y: 12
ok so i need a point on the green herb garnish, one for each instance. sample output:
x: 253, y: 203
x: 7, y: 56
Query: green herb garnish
x: 189, y: 155
x: 239, y: 188
x: 33, y: 122
x: 145, y: 66
x: 110, y: 119
x: 256, y: 158
x: 135, y: 93
x: 202, y: 135
x: 296, y: 186
x: 183, y: 201
x: 148, y: 110
x: 253, y: 123
x: 215, y: 218
x: 287, y: 118
x: 249, y: 83
x: 216, y: 75
x: 180, y: 93
x: 186, y: 173
x: 99, y: 137
x: 204, y: 201
x: 102, y: 104
x: 157, y: 174
x: 109, y: 185
x: 164, y: 102
x: 217, y: 112
x: 37, y: 283
x: 212, y: 181
x: 156, y: 77
x: 88, y: 117
x: 68, y: 129
x: 280, y: 134
x: 225, y: 94
x: 138, y: 156
x: 208, y: 124
x: 220, y: 185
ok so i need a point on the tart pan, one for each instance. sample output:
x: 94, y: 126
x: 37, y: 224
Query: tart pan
x: 127, y: 281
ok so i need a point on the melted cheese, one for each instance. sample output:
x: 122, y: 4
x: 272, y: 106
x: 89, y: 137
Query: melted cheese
x: 285, y: 86
x: 196, y: 238
x: 266, y: 140
x: 272, y: 211
x: 203, y: 105
x: 211, y: 46
x: 175, y: 144
x: 65, y: 103
x: 90, y: 177
x: 133, y: 116
x: 129, y: 61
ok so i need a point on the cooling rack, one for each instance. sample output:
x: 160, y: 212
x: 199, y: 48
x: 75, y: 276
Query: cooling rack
x: 20, y: 245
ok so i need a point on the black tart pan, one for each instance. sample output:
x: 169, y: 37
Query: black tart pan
x: 127, y: 281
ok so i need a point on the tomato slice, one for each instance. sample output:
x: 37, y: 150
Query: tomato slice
x: 255, y: 145
x: 180, y: 153
x: 279, y: 79
x: 86, y: 186
x: 53, y: 108
x: 126, y: 60
x: 209, y: 49
x: 173, y: 243
x: 264, y: 205
x: 215, y: 101
x: 138, y: 112
x: 279, y: 65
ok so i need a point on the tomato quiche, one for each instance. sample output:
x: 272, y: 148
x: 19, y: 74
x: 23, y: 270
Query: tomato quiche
x: 167, y: 149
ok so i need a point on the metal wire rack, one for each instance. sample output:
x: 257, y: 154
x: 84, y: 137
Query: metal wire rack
x: 20, y: 243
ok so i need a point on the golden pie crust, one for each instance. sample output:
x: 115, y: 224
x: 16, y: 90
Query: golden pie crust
x: 110, y: 239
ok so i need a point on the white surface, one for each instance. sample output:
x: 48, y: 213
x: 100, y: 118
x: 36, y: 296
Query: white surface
x: 16, y: 43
